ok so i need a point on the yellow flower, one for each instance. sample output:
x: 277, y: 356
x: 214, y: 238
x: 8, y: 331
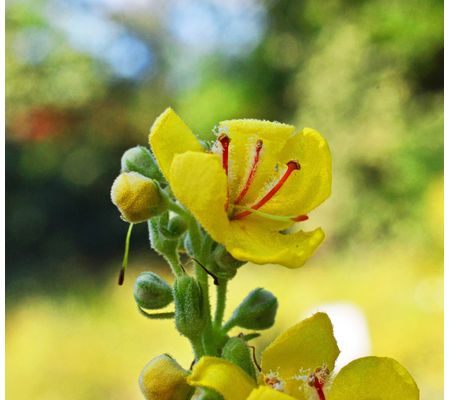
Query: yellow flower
x: 298, y: 365
x: 257, y: 180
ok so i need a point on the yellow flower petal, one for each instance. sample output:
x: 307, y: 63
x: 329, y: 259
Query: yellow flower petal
x: 256, y: 241
x: 199, y: 183
x: 169, y: 136
x: 300, y: 350
x: 244, y: 133
x: 374, y: 378
x: 305, y: 189
x: 267, y: 393
x: 222, y: 376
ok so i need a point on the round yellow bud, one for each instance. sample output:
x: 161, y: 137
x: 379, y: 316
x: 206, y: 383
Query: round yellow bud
x: 137, y: 197
x: 164, y: 379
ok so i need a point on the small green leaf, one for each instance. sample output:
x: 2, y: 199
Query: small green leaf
x: 374, y: 378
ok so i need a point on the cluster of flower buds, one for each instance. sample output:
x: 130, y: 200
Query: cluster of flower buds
x: 141, y: 194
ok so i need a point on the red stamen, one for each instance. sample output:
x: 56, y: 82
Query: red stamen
x: 319, y: 388
x: 300, y: 218
x: 251, y: 175
x: 291, y: 167
x: 225, y: 142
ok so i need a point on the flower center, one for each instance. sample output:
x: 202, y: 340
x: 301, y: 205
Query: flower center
x: 292, y: 166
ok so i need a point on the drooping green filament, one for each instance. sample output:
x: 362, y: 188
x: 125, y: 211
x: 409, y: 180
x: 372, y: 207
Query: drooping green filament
x: 125, y: 255
x: 266, y: 215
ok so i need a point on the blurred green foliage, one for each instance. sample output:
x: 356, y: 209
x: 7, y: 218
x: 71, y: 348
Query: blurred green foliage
x: 86, y: 79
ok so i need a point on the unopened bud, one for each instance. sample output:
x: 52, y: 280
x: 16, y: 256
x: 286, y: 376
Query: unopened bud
x: 225, y: 264
x: 138, y: 198
x: 140, y: 159
x: 152, y: 292
x: 237, y: 351
x: 164, y: 379
x: 257, y: 310
x: 189, y: 318
x: 175, y: 227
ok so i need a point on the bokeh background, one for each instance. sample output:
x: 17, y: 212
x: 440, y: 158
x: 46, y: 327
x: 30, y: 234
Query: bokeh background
x: 86, y: 79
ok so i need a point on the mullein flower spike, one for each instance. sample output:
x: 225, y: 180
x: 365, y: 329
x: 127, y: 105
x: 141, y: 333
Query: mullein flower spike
x: 237, y: 200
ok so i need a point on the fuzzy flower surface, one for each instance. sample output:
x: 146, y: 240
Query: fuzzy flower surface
x: 251, y: 186
x: 298, y: 365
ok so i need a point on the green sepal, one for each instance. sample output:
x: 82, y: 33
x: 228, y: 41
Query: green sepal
x: 237, y: 351
x: 173, y: 227
x: 158, y: 241
x: 189, y: 316
x: 250, y: 336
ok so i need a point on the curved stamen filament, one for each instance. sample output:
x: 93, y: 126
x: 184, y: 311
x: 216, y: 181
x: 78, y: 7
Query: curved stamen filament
x: 291, y: 167
x: 251, y: 175
x: 298, y: 218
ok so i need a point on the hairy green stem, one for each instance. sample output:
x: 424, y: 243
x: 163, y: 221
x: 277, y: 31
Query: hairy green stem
x: 174, y: 262
x: 221, y: 291
x: 197, y: 347
x: 228, y: 325
x: 201, y: 245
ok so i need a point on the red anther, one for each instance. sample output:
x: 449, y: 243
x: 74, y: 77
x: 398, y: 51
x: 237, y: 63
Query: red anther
x: 225, y: 142
x: 319, y: 388
x: 291, y: 167
x: 300, y: 218
x: 251, y: 175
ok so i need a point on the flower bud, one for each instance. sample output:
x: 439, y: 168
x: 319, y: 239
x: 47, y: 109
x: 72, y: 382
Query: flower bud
x: 189, y: 318
x: 164, y: 379
x: 225, y: 264
x: 237, y: 351
x: 175, y: 227
x: 140, y: 159
x: 257, y: 310
x: 138, y: 198
x: 152, y: 292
